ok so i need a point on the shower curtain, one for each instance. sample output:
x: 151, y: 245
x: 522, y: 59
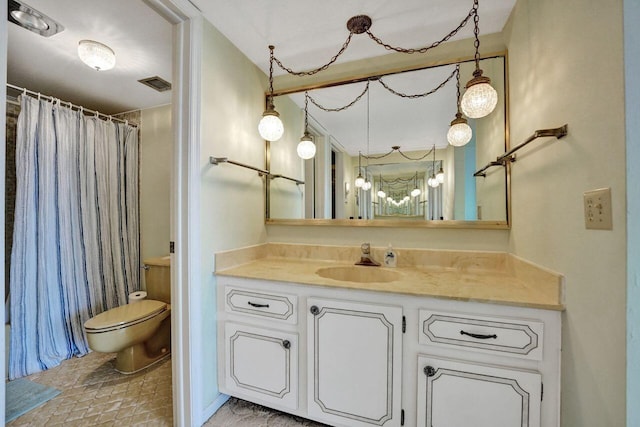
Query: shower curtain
x: 75, y: 249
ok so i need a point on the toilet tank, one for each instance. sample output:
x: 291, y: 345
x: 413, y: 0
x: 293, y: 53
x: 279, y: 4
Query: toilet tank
x: 158, y: 279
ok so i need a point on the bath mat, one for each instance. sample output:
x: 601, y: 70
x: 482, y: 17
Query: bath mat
x: 24, y: 395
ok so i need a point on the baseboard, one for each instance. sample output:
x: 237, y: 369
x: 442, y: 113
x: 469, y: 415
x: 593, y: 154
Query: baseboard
x: 213, y: 408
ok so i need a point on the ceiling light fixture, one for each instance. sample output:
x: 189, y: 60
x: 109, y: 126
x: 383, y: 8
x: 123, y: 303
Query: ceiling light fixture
x: 270, y: 126
x: 27, y: 17
x: 366, y: 186
x: 359, y: 179
x: 96, y: 55
x: 306, y: 148
x: 460, y: 132
x: 434, y: 181
x: 480, y: 98
x: 416, y: 191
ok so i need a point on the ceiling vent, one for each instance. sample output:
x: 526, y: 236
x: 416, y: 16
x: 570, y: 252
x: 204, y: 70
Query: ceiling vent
x: 156, y: 83
x: 27, y: 17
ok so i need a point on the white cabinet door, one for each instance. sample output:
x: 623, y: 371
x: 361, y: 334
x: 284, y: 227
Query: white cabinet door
x: 355, y: 363
x: 454, y: 393
x: 262, y: 364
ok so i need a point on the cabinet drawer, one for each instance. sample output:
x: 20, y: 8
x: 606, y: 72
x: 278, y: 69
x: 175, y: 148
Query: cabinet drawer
x: 508, y: 337
x: 282, y: 307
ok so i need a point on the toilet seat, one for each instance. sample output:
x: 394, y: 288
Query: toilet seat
x: 124, y: 316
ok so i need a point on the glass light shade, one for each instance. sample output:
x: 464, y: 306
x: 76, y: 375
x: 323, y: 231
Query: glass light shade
x: 30, y: 20
x: 459, y: 134
x: 433, y: 181
x: 366, y: 186
x: 270, y: 126
x: 415, y: 192
x: 306, y: 148
x: 96, y: 55
x: 359, y: 181
x: 382, y: 194
x: 479, y: 100
x: 440, y: 176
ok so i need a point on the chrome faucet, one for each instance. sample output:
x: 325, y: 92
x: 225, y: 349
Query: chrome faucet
x: 365, y: 256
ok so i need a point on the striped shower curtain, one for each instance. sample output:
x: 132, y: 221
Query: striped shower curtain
x: 75, y: 245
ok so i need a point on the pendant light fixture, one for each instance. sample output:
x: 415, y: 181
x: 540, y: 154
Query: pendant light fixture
x: 270, y: 126
x: 416, y: 191
x: 96, y: 55
x: 460, y: 132
x: 306, y: 148
x: 359, y: 180
x: 433, y: 181
x: 480, y: 98
x: 381, y: 193
x: 366, y: 185
x: 440, y: 175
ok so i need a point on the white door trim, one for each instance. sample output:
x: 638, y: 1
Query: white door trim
x: 185, y: 271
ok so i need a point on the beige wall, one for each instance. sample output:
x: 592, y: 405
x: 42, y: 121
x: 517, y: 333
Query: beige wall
x: 287, y: 198
x: 231, y: 198
x: 156, y: 158
x: 566, y: 66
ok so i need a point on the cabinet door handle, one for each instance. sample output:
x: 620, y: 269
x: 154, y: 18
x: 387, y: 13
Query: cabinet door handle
x: 314, y: 310
x: 429, y: 371
x: 253, y: 304
x: 478, y: 336
x: 286, y: 344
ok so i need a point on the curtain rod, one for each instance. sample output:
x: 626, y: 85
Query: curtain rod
x: 26, y: 91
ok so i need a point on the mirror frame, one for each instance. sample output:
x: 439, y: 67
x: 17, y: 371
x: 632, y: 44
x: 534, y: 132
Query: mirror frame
x: 442, y: 224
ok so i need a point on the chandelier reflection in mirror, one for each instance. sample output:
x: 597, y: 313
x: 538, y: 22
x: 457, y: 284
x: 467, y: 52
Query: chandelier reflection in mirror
x: 479, y: 99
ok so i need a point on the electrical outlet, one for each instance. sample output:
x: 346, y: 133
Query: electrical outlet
x: 597, y: 209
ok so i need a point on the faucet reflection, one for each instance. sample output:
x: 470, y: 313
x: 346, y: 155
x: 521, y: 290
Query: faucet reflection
x: 365, y: 256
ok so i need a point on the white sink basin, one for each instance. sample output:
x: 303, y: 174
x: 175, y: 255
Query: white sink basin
x: 358, y: 274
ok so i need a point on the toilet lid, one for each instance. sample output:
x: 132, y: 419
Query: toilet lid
x: 128, y: 313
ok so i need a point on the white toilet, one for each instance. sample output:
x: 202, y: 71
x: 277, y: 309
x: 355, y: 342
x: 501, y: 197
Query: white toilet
x: 140, y: 332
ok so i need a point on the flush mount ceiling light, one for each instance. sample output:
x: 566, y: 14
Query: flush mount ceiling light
x: 27, y: 17
x: 480, y: 98
x: 96, y: 55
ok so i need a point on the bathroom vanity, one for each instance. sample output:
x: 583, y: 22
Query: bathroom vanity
x: 444, y: 339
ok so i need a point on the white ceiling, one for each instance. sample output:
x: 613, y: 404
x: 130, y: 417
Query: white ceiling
x: 140, y: 38
x: 306, y: 34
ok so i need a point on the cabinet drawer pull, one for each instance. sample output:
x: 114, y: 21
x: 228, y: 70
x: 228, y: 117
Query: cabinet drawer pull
x: 314, y: 310
x: 429, y: 371
x: 286, y: 344
x: 253, y: 304
x: 478, y: 336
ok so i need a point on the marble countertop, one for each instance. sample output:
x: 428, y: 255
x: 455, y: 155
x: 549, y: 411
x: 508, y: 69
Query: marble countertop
x: 498, y: 278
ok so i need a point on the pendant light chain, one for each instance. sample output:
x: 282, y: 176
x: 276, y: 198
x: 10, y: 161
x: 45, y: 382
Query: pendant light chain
x: 418, y: 95
x: 476, y: 32
x: 425, y: 49
x: 458, y: 86
x: 397, y: 148
x: 306, y: 111
x: 358, y: 98
x: 321, y: 68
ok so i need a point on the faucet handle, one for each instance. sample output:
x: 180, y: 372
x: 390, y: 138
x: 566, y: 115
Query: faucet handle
x: 365, y: 248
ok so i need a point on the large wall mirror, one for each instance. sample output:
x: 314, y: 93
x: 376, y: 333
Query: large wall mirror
x: 363, y: 139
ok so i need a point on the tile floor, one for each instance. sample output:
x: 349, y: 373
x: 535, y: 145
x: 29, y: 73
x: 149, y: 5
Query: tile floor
x: 94, y: 394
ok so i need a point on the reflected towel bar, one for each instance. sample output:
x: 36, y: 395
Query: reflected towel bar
x: 262, y: 172
x: 509, y: 157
